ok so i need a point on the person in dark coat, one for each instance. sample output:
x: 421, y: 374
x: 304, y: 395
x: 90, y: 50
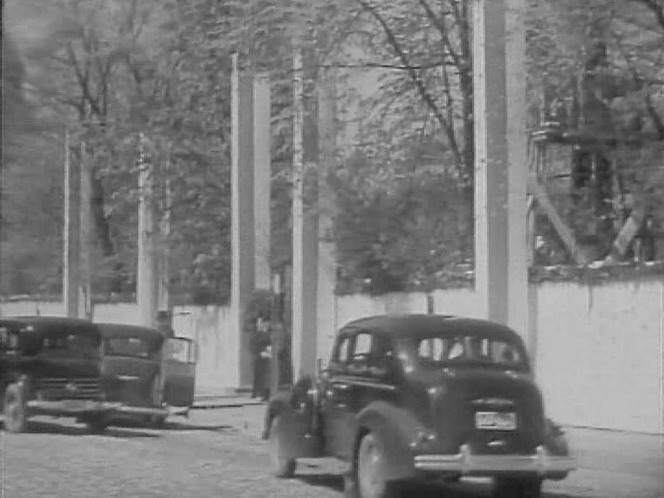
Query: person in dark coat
x: 260, y: 350
x: 164, y: 323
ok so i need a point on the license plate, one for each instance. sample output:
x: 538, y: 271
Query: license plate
x: 495, y: 421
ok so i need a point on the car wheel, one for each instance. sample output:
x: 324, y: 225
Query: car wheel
x: 517, y: 488
x: 16, y: 417
x: 281, y: 466
x: 371, y: 474
x: 97, y: 424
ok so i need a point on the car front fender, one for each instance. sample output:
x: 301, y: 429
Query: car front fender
x: 279, y: 404
x: 397, y: 429
x: 298, y: 411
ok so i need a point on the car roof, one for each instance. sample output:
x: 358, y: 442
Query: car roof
x: 127, y: 330
x: 421, y: 325
x: 49, y: 322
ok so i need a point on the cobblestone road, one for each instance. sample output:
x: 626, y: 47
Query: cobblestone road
x: 204, y: 456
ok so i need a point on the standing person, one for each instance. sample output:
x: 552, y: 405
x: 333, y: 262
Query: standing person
x: 164, y: 323
x: 260, y: 340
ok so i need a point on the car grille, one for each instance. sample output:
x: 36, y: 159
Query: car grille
x: 51, y: 388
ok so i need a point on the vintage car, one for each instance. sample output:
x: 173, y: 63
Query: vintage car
x: 150, y: 374
x: 409, y: 398
x: 51, y: 366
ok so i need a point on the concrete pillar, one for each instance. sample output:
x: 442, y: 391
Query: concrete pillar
x: 327, y: 269
x: 70, y: 273
x: 305, y: 244
x: 242, y: 220
x: 86, y: 241
x: 501, y: 161
x: 163, y: 263
x: 261, y: 180
x: 146, y: 279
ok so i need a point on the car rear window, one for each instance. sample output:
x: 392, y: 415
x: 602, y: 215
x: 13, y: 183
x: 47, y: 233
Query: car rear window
x: 134, y: 347
x: 469, y: 349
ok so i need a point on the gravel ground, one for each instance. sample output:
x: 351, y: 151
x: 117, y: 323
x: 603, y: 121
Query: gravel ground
x: 209, y: 455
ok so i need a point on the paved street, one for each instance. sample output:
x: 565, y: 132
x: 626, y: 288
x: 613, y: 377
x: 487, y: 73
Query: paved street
x: 207, y: 456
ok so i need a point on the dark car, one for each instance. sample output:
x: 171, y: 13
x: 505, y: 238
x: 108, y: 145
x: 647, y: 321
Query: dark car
x: 51, y: 366
x: 422, y: 397
x: 150, y: 374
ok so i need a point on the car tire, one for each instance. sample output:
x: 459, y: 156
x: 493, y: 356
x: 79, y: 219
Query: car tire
x: 371, y: 475
x: 97, y: 424
x: 16, y: 416
x: 517, y: 488
x: 283, y: 467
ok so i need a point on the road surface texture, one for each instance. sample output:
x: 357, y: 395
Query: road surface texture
x: 208, y: 455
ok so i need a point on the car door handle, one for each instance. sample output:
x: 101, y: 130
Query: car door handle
x: 341, y: 386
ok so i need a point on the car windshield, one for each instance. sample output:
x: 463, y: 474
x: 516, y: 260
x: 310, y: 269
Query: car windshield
x: 134, y: 347
x: 468, y: 349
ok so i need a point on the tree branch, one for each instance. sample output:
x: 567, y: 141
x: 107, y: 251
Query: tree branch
x: 442, y: 29
x: 657, y: 9
x: 415, y: 77
x: 379, y: 65
x: 83, y: 81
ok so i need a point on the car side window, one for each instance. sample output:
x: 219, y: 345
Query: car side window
x: 382, y: 355
x: 341, y: 354
x: 8, y: 339
x: 361, y: 352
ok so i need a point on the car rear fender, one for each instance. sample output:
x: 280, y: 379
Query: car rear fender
x: 397, y: 429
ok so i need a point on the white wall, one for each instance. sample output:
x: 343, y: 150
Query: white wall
x: 600, y: 354
x: 599, y: 349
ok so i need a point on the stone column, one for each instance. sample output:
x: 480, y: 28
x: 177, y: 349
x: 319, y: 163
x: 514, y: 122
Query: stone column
x: 327, y: 269
x: 86, y: 240
x: 146, y: 278
x: 501, y: 161
x: 242, y: 221
x: 72, y: 248
x: 305, y: 244
x: 261, y: 180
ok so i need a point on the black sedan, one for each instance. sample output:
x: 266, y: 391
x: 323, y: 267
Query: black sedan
x: 422, y: 397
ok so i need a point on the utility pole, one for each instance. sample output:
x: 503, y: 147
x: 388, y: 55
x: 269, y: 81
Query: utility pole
x: 501, y: 171
x: 86, y: 238
x: 71, y: 262
x: 146, y: 285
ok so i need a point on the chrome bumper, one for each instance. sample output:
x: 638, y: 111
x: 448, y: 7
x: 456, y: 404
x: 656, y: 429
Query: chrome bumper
x: 141, y: 410
x: 465, y: 463
x: 177, y: 410
x: 72, y: 406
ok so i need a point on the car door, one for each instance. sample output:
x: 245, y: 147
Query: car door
x: 179, y: 371
x: 335, y: 396
x: 352, y: 390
